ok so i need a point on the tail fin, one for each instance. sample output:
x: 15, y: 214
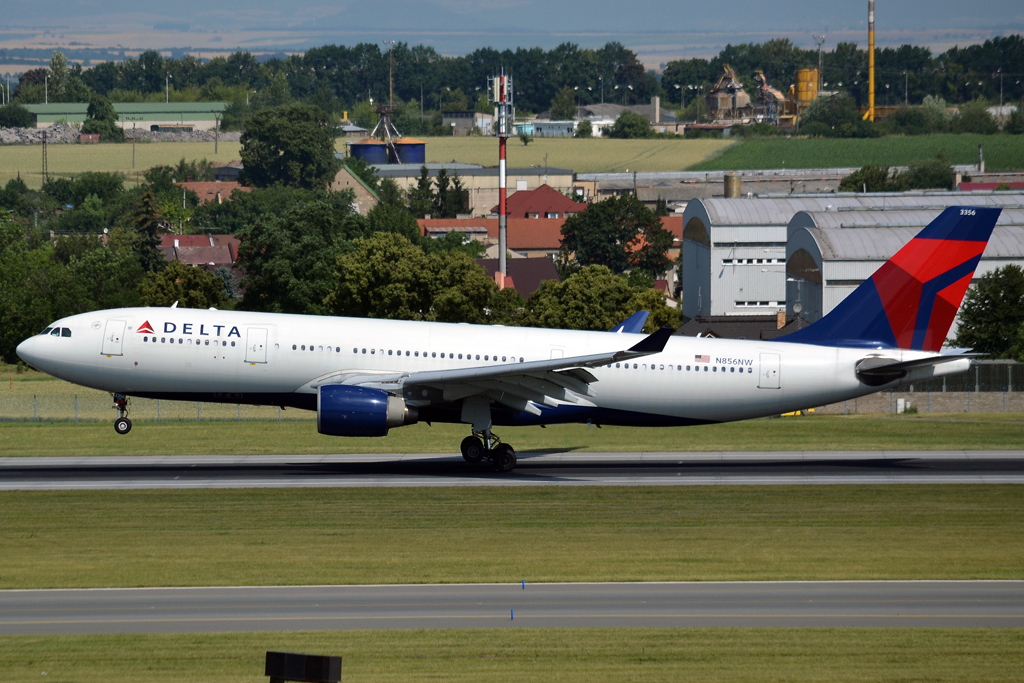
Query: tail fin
x: 910, y: 302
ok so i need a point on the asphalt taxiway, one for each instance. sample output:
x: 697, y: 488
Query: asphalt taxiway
x: 796, y: 603
x: 534, y: 469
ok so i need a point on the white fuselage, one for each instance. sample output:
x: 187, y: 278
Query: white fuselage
x: 243, y: 357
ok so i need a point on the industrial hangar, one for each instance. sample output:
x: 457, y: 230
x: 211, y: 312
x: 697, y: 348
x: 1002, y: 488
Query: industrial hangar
x: 804, y: 254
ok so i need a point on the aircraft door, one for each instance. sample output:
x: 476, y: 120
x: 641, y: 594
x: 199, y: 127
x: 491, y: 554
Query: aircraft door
x: 769, y: 378
x: 256, y: 345
x: 113, y: 336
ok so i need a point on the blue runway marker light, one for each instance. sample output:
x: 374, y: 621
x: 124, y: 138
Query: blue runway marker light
x: 524, y: 584
x: 512, y: 613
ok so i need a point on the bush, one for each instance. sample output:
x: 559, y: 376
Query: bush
x: 14, y: 115
x: 871, y: 179
x: 755, y: 130
x: 630, y: 126
x: 935, y: 174
x: 974, y: 118
x: 585, y: 130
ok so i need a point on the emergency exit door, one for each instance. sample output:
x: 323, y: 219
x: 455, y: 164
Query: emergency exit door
x: 256, y: 345
x: 113, y: 336
x: 769, y: 378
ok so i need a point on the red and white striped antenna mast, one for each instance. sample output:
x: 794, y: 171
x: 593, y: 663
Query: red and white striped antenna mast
x: 499, y: 92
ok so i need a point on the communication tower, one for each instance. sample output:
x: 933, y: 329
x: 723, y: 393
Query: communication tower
x: 499, y: 92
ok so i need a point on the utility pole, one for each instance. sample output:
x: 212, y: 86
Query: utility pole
x: 500, y: 93
x: 905, y: 81
x: 133, y: 144
x: 46, y: 174
x: 46, y: 88
x: 216, y: 134
x: 871, y: 61
x: 820, y: 40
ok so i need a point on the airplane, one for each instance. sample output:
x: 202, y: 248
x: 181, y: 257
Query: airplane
x: 364, y: 377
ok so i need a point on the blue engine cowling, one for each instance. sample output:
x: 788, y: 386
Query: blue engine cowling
x: 343, y: 410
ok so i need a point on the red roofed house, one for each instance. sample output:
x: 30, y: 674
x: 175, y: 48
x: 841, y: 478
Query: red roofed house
x: 215, y: 191
x: 544, y: 202
x: 526, y: 236
x: 209, y: 251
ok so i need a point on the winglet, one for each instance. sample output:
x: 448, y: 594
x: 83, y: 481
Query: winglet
x: 653, y: 343
x: 634, y: 324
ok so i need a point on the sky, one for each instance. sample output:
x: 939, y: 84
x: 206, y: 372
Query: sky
x: 655, y: 27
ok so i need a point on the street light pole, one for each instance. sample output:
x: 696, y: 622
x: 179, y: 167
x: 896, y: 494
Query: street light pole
x: 46, y: 88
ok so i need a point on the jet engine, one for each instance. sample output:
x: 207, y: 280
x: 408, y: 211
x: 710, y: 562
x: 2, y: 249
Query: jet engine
x: 344, y: 410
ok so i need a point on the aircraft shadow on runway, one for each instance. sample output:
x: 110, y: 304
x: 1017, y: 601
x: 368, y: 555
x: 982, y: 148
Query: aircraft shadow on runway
x: 529, y: 467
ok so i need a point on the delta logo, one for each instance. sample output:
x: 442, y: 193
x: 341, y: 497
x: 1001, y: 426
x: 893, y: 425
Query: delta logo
x: 188, y: 328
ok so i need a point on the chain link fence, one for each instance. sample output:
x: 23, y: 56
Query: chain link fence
x: 55, y: 401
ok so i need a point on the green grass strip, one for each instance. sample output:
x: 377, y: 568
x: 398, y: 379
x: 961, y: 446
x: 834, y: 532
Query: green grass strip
x: 733, y: 655
x: 974, y: 431
x: 1002, y: 153
x: 59, y: 539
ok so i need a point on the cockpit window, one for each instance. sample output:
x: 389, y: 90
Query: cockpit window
x: 55, y: 332
x: 65, y: 332
x: 46, y: 331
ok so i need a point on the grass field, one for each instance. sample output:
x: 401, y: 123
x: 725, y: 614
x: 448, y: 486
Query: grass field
x: 583, y: 156
x: 642, y: 654
x: 57, y: 539
x: 1002, y: 152
x: 68, y: 160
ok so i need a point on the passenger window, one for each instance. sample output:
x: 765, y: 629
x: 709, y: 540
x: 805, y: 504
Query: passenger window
x: 732, y: 369
x: 434, y: 354
x: 293, y: 347
x: 180, y: 340
x: 705, y: 368
x: 714, y: 369
x: 303, y: 347
x: 460, y: 356
x: 389, y: 352
x: 356, y: 350
x: 662, y: 367
x: 337, y: 349
x: 486, y: 357
x: 205, y: 343
x: 232, y: 343
x: 65, y: 332
x: 616, y: 365
x: 478, y: 356
x: 503, y: 359
x: 634, y: 366
x: 163, y: 340
x: 145, y: 339
x: 364, y: 351
x: 687, y: 368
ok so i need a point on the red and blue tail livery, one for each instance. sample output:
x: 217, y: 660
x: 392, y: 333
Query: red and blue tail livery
x: 910, y: 302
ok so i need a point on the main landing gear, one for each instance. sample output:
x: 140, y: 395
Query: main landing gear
x: 501, y: 454
x: 122, y: 425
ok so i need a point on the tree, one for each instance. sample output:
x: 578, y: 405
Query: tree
x: 563, y: 107
x: 928, y: 175
x: 190, y: 286
x: 585, y: 129
x: 109, y: 278
x: 421, y: 198
x: 101, y: 118
x: 974, y: 117
x: 288, y: 260
x: 872, y: 179
x: 630, y: 125
x: 596, y: 299
x: 14, y: 115
x: 387, y: 276
x: 619, y: 233
x: 393, y: 219
x: 993, y: 313
x: 363, y: 170
x: 291, y: 146
x: 146, y: 230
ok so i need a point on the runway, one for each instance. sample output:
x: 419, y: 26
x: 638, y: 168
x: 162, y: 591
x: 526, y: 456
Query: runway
x: 818, y: 604
x: 534, y: 469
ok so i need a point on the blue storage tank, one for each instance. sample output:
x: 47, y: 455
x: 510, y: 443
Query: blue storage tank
x: 369, y: 150
x: 410, y: 151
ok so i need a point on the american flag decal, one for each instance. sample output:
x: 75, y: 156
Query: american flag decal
x: 702, y: 359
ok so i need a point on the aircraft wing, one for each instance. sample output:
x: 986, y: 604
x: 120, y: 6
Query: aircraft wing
x: 519, y: 385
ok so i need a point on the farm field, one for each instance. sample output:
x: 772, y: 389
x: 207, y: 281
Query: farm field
x: 68, y: 160
x: 313, y: 536
x: 736, y: 655
x: 1002, y: 152
x: 583, y: 156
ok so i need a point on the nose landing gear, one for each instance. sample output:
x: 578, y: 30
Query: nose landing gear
x: 501, y: 454
x: 122, y: 425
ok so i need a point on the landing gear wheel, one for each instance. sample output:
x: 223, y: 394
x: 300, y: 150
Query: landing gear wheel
x: 122, y: 425
x: 472, y: 449
x: 505, y: 458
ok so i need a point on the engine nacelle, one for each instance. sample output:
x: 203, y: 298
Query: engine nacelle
x: 343, y: 410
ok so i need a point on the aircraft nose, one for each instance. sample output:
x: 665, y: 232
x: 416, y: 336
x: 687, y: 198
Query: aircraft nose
x: 27, y: 351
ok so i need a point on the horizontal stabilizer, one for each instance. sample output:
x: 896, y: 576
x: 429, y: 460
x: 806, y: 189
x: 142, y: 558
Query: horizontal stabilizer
x: 876, y: 371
